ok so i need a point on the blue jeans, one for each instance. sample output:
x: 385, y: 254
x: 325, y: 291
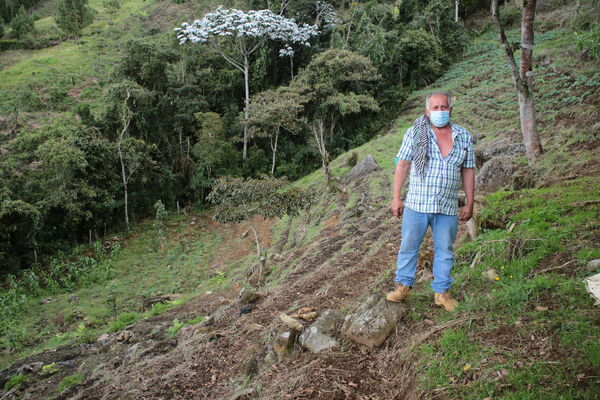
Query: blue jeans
x: 414, y: 227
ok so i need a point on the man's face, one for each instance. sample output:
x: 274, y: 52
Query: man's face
x: 438, y: 102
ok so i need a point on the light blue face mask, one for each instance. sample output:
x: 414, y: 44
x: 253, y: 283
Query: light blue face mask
x: 439, y: 118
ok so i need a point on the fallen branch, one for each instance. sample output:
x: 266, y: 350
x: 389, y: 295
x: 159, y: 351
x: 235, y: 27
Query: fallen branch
x: 553, y: 268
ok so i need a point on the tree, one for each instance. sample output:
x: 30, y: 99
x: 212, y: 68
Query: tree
x: 73, y: 15
x: 336, y: 83
x: 239, y: 199
x: 22, y: 24
x: 523, y: 75
x: 133, y: 153
x: 273, y: 110
x: 236, y: 35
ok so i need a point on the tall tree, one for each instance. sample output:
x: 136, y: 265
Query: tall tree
x: 523, y: 75
x: 236, y: 35
x: 274, y: 110
x: 73, y: 15
x: 337, y: 85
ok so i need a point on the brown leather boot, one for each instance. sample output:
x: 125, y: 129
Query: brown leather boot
x: 446, y: 301
x: 401, y: 293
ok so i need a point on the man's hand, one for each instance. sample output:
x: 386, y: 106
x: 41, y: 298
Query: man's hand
x: 397, y: 207
x: 466, y: 213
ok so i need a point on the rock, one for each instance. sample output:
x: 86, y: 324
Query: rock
x: 46, y: 300
x: 291, y: 322
x: 29, y: 368
x: 363, y: 168
x: 247, y: 296
x: 125, y: 336
x: 148, y: 303
x: 500, y: 146
x: 283, y: 342
x: 495, y: 174
x: 103, y: 339
x: 373, y: 321
x: 249, y: 328
x: 316, y: 337
x: 491, y: 274
x: 271, y: 357
x: 73, y: 299
x: 592, y: 265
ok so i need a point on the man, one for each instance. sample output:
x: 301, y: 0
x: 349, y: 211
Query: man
x: 441, y: 154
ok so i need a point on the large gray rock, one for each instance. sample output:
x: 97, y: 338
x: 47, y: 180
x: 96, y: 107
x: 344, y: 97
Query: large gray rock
x: 363, y: 168
x: 495, y: 174
x: 317, y: 337
x: 373, y: 321
x: 501, y: 146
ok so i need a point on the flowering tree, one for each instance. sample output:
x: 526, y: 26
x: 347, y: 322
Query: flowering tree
x: 235, y: 35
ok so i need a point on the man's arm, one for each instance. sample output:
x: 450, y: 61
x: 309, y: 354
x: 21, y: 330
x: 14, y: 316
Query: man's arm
x: 400, y: 174
x: 468, y: 180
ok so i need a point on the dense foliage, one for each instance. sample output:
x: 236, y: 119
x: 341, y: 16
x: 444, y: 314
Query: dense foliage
x: 173, y: 123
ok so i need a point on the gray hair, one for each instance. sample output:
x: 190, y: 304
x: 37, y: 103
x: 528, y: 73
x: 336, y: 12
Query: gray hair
x: 437, y: 93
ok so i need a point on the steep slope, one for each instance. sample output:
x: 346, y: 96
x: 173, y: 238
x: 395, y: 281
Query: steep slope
x: 531, y: 333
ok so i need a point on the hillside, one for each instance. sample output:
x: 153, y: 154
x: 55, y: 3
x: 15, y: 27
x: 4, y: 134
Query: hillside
x: 532, y: 333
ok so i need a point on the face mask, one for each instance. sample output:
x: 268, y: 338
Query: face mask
x: 439, y: 118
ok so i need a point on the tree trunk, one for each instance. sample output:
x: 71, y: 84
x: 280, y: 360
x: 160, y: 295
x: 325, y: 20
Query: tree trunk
x: 533, y: 147
x: 456, y: 10
x: 274, y: 149
x: 255, y: 236
x: 318, y: 130
x: 523, y: 76
x: 246, y: 105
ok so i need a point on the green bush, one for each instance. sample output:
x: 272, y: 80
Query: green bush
x: 14, y: 381
x: 69, y: 381
x: 590, y: 41
x: 22, y: 24
x: 123, y: 321
x: 510, y: 15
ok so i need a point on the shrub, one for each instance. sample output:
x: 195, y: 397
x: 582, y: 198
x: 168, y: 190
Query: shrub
x: 22, y: 23
x: 590, y: 41
x: 69, y: 381
x: 14, y: 381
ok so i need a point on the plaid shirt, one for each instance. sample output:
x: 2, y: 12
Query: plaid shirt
x: 438, y: 191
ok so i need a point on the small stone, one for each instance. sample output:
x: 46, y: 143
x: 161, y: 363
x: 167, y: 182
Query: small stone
x: 428, y: 322
x: 284, y: 342
x: 491, y: 274
x: 592, y: 265
x: 247, y: 296
x: 291, y: 322
x: 105, y: 337
x: 124, y: 336
x: 248, y: 328
x: 541, y: 308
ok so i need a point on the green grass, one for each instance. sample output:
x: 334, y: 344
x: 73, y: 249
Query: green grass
x: 549, y: 222
x: 142, y: 270
x: 69, y: 381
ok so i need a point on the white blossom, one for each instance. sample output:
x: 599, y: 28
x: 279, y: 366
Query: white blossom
x: 254, y: 24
